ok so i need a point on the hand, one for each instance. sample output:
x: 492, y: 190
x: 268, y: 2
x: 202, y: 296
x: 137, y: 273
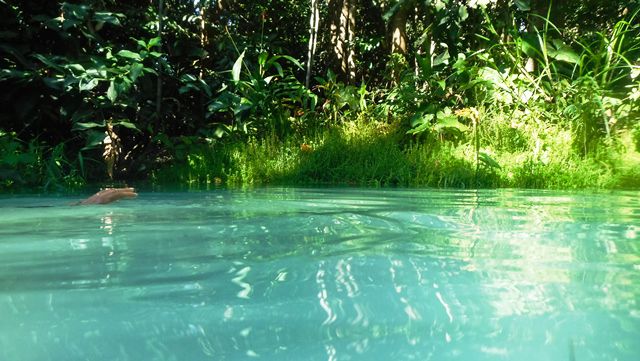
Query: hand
x: 110, y: 195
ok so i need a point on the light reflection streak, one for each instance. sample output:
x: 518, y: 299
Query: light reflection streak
x: 345, y: 278
x: 107, y: 223
x: 445, y: 305
x: 323, y: 296
x: 239, y: 280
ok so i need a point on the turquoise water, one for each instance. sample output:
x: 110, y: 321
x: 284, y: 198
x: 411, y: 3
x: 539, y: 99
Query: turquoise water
x: 322, y: 274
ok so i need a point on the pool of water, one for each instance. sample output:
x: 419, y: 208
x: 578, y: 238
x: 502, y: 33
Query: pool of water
x: 322, y: 274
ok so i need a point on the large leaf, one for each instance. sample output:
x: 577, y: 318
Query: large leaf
x: 109, y: 18
x: 86, y: 86
x: 488, y: 161
x: 237, y: 67
x: 129, y: 54
x: 449, y: 121
x: 442, y: 58
x: 112, y: 93
x: 94, y: 138
x: 421, y: 123
x: 135, y: 71
x: 48, y: 62
x: 157, y: 41
x: 126, y: 124
x: 562, y: 52
x: 523, y: 5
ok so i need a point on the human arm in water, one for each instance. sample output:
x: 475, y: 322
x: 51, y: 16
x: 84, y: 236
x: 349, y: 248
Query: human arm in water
x: 109, y: 195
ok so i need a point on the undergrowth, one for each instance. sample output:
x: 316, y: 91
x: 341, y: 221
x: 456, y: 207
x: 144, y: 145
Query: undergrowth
x: 374, y: 153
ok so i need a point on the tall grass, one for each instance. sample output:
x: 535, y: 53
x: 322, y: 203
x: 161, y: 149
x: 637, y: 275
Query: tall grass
x: 371, y: 154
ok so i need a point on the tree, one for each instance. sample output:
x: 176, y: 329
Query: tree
x: 342, y: 20
x: 314, y: 21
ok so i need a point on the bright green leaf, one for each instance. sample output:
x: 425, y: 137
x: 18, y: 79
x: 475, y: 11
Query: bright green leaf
x: 87, y: 125
x: 129, y: 54
x: 112, y: 93
x: 154, y: 42
x: 237, y: 67
x: 88, y: 85
x: 462, y: 13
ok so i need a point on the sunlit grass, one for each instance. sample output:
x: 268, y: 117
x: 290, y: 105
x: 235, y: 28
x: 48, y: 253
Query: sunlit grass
x: 372, y: 153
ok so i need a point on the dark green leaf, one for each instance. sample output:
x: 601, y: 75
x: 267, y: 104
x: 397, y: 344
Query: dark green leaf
x: 48, y: 62
x: 94, y: 138
x: 488, y: 161
x: 523, y: 5
x: 136, y: 70
x: 126, y: 124
x: 106, y: 17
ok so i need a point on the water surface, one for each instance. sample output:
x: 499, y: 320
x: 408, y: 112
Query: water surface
x: 322, y: 274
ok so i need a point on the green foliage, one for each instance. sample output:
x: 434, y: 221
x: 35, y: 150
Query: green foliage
x: 262, y: 99
x: 32, y: 165
x: 488, y: 93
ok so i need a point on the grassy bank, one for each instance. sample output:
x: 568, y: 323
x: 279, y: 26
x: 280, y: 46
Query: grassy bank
x: 380, y: 154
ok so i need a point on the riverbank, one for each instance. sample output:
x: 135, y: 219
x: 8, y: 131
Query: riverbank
x: 379, y: 154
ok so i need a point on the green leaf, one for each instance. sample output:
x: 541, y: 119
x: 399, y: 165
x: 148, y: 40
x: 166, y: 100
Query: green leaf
x: 237, y: 67
x: 141, y: 43
x: 425, y: 64
x: 449, y: 121
x: 110, y: 18
x: 136, y: 70
x: 157, y: 41
x: 290, y: 58
x: 48, y: 62
x: 126, y: 124
x: 279, y: 69
x: 129, y: 54
x: 87, y: 125
x: 88, y: 85
x: 442, y: 58
x: 77, y: 67
x: 262, y: 58
x: 421, y: 123
x: 488, y: 161
x: 462, y: 13
x: 562, y: 52
x: 94, y: 138
x: 112, y: 93
x: 523, y: 5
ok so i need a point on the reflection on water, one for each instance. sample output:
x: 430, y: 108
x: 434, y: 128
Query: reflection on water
x: 328, y: 274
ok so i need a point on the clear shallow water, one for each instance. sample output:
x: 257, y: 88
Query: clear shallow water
x: 322, y: 274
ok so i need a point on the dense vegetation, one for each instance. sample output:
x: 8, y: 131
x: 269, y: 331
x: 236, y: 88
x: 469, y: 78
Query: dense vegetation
x: 448, y: 93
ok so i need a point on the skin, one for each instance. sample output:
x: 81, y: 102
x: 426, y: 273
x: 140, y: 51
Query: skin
x: 109, y: 195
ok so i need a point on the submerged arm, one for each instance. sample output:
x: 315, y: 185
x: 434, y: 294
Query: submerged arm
x: 109, y: 195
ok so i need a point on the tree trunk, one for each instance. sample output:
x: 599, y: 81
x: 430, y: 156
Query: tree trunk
x: 313, y: 39
x: 342, y: 29
x: 398, y: 35
x: 398, y: 28
x: 159, y: 85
